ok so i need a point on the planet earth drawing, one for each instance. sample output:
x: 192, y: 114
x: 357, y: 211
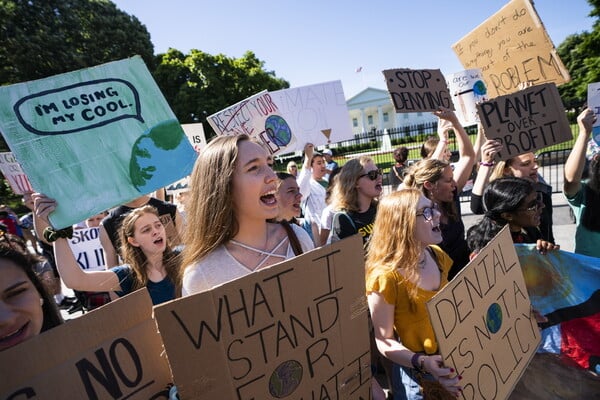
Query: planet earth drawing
x: 493, y: 318
x: 285, y: 379
x: 160, y: 156
x: 278, y: 130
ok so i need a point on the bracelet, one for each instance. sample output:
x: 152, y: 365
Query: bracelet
x: 487, y: 164
x: 52, y: 235
x: 414, y: 360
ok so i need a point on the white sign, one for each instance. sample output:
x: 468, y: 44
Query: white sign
x: 14, y: 174
x: 316, y: 113
x: 195, y: 133
x: 87, y: 249
x: 594, y: 105
x: 467, y: 89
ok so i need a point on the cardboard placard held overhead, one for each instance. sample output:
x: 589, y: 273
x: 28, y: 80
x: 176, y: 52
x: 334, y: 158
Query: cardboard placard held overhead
x: 510, y: 47
x: 94, y: 138
x: 417, y: 90
x: 525, y: 121
x: 14, y: 174
x: 483, y: 322
x: 114, y: 352
x: 296, y: 329
x: 316, y: 113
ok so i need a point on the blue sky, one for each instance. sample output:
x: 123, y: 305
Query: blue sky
x: 310, y: 41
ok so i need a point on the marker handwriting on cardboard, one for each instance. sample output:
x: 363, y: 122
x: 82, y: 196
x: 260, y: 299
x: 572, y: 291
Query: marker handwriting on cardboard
x: 78, y: 107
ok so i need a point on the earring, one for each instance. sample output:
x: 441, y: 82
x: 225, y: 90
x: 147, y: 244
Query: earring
x: 41, y: 301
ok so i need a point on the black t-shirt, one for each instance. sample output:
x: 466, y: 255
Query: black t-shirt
x: 347, y: 225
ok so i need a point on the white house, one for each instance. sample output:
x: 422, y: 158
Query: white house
x: 372, y: 109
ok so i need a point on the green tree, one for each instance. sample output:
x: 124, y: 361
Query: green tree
x: 199, y: 84
x: 40, y: 38
x: 581, y: 55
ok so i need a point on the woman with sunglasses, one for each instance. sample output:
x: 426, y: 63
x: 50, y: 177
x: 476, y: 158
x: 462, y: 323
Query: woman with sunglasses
x: 514, y: 202
x: 354, y: 199
x: 404, y: 269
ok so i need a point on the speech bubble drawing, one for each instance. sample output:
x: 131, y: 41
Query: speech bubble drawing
x: 78, y: 107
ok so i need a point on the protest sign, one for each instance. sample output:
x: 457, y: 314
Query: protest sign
x: 297, y: 329
x: 525, y: 121
x: 417, y: 90
x: 87, y: 250
x: 511, y: 47
x: 467, y: 89
x: 195, y: 134
x: 94, y: 138
x: 12, y: 171
x: 316, y: 114
x: 483, y: 322
x: 259, y: 117
x: 593, y: 101
x: 113, y: 352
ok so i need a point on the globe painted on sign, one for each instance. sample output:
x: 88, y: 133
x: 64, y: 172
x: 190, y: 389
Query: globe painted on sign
x: 278, y: 130
x: 285, y: 379
x: 493, y: 318
x: 160, y: 156
x: 479, y: 88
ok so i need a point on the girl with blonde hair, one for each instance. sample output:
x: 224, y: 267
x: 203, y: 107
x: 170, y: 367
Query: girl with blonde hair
x: 232, y: 195
x: 404, y: 269
x: 148, y: 259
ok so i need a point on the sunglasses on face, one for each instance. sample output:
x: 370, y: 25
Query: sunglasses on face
x: 427, y: 212
x: 373, y: 174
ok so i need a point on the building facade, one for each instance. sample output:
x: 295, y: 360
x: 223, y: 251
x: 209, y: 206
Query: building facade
x: 372, y: 110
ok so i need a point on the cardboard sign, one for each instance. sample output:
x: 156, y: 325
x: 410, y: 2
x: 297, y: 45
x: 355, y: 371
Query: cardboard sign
x: 510, y: 47
x: 525, y: 121
x: 87, y: 250
x: 12, y: 171
x: 417, y: 90
x: 593, y: 100
x: 467, y: 89
x: 483, y: 322
x: 94, y: 138
x: 259, y: 117
x: 297, y: 329
x: 317, y: 113
x: 113, y: 352
x: 195, y: 134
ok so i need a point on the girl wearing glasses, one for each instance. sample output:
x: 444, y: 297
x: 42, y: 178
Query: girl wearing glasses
x: 404, y: 269
x: 354, y: 197
x: 514, y: 202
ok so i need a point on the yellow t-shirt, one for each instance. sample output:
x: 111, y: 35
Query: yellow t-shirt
x: 411, y: 324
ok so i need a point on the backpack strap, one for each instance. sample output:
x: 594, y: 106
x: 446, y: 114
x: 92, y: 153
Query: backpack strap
x: 294, y: 242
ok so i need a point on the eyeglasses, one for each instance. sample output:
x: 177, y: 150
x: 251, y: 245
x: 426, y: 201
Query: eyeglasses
x: 373, y: 174
x: 427, y: 212
x: 539, y: 202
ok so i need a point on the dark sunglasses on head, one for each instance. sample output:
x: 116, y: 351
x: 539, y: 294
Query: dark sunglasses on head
x: 373, y: 174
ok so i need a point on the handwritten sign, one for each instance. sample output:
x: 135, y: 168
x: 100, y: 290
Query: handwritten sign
x: 417, y: 90
x: 94, y: 138
x: 195, y: 134
x: 593, y: 100
x: 525, y: 121
x: 265, y: 336
x: 483, y: 322
x: 259, y: 117
x: 317, y: 113
x: 86, y: 247
x: 12, y: 171
x: 114, y: 352
x: 511, y: 47
x: 467, y: 89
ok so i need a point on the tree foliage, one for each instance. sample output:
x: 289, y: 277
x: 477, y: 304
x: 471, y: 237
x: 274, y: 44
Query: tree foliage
x: 40, y: 38
x: 581, y: 55
x: 199, y: 84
